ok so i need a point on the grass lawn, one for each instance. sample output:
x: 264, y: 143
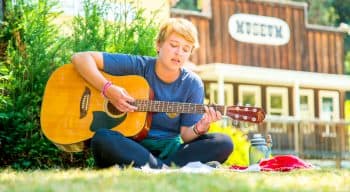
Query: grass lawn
x: 114, y: 179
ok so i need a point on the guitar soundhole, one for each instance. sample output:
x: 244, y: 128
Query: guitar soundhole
x: 113, y: 111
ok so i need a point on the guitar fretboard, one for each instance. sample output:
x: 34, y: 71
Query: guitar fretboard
x: 172, y: 107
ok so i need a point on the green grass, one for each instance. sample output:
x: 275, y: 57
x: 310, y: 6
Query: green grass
x: 133, y: 180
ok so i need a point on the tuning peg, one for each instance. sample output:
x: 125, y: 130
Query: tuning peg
x: 236, y: 116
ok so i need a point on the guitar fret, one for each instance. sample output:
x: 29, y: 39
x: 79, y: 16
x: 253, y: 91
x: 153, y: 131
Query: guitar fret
x: 162, y: 106
x: 175, y: 107
x: 251, y: 114
x: 169, y: 106
x: 155, y: 106
x: 199, y: 108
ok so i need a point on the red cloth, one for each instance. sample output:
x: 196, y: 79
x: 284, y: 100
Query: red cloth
x: 237, y: 167
x: 277, y: 163
x: 283, y: 163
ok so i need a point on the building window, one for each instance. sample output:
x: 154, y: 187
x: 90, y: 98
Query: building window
x: 277, y: 101
x: 201, y: 6
x: 329, y: 105
x: 307, y: 110
x: 193, y: 5
x: 249, y: 95
x: 277, y: 105
x: 212, y: 93
x: 329, y: 110
x: 307, y: 104
x: 211, y: 97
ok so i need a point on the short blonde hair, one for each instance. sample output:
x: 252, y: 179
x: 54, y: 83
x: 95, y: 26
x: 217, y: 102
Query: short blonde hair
x: 180, y: 26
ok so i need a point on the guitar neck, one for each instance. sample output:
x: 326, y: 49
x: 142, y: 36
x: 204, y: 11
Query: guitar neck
x: 173, y: 107
x: 241, y: 113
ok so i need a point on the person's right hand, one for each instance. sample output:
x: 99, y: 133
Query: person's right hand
x: 120, y: 98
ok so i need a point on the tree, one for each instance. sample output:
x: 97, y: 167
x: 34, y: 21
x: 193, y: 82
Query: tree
x: 343, y: 10
x: 1, y: 10
x: 321, y: 12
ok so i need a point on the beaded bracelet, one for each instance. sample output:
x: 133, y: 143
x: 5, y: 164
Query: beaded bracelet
x: 195, y: 130
x: 105, y: 87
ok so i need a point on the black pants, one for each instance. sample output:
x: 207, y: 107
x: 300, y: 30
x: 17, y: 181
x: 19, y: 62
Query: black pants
x: 111, y: 148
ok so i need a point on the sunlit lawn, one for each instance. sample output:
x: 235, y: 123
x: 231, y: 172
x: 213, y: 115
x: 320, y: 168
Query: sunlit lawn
x: 134, y: 180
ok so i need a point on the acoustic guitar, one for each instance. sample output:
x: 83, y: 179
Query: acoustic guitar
x: 72, y: 110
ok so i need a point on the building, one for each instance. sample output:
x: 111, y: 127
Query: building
x: 264, y: 53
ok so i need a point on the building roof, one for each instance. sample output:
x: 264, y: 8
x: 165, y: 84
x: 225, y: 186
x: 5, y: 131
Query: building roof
x: 270, y: 76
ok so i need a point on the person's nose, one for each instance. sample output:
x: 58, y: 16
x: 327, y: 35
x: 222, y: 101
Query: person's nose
x: 179, y: 51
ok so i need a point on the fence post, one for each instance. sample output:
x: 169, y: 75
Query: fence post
x: 301, y: 140
x: 296, y: 138
x: 339, y: 140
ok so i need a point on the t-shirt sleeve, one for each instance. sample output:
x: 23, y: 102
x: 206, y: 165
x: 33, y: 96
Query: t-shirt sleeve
x: 124, y: 64
x: 197, y: 97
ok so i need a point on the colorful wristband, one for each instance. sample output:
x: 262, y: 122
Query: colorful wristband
x: 105, y: 87
x: 195, y: 130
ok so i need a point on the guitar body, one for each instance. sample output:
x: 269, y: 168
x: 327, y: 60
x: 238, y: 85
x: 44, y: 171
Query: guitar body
x: 72, y: 110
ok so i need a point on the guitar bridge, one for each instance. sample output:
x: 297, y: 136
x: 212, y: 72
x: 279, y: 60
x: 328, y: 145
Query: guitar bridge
x: 84, y: 102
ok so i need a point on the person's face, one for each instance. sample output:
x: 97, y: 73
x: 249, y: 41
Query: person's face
x: 174, y: 51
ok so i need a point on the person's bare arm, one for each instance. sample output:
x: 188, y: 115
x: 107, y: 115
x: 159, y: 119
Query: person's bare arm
x: 88, y: 65
x: 202, y: 126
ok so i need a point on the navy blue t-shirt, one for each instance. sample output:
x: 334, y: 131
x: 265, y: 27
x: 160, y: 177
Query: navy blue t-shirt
x: 187, y: 88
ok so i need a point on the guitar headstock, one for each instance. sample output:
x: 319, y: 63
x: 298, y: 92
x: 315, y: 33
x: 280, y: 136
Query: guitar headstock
x: 248, y: 114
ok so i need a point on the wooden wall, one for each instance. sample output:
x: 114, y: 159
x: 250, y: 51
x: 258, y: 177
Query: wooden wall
x: 311, y: 48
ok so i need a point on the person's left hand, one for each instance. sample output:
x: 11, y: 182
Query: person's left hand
x: 209, y: 116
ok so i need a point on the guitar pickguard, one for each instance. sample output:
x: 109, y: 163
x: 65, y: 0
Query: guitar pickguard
x: 103, y: 120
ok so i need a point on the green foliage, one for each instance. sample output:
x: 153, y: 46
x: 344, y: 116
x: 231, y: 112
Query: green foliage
x: 134, y: 37
x: 321, y: 12
x: 343, y: 9
x: 86, y: 29
x: 34, y: 49
x: 347, y: 63
x: 124, y: 30
x: 32, y: 53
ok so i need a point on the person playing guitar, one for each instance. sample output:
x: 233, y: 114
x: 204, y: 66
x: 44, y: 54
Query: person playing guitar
x: 173, y: 138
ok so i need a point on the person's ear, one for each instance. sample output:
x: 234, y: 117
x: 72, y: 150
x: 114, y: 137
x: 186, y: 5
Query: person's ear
x: 157, y: 47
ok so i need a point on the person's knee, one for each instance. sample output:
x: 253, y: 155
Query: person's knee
x: 102, y: 136
x: 225, y: 143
